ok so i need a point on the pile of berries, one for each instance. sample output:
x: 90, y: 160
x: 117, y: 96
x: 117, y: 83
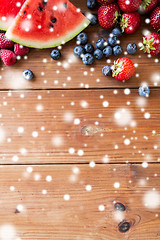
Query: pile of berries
x: 10, y: 50
x: 127, y: 13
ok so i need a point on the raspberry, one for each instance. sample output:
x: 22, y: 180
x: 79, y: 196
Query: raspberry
x: 8, y: 57
x: 20, y: 50
x: 5, y: 43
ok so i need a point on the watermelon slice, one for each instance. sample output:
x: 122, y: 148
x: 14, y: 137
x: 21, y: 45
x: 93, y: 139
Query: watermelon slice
x: 46, y: 23
x: 8, y: 11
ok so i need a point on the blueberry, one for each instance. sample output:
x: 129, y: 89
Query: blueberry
x: 144, y: 91
x: 98, y: 54
x: 117, y: 32
x: 78, y: 51
x: 82, y: 38
x: 93, y: 18
x: 131, y: 48
x: 28, y: 74
x: 55, y: 54
x: 101, y: 43
x: 87, y: 59
x: 91, y: 4
x: 117, y: 50
x: 107, y: 51
x: 107, y: 71
x: 89, y: 48
x: 112, y: 41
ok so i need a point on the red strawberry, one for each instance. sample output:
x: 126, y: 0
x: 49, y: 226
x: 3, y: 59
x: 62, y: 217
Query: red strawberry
x: 123, y: 69
x: 129, y: 5
x: 20, y: 50
x: 8, y: 57
x: 147, y: 5
x: 108, y: 14
x: 106, y: 1
x: 151, y: 44
x: 5, y: 42
x: 130, y: 22
x: 155, y: 19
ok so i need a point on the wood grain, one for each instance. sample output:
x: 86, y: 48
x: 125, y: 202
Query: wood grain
x: 70, y: 73
x: 35, y: 215
x: 78, y: 127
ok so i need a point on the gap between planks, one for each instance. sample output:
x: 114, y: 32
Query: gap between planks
x: 70, y: 164
x: 73, y: 89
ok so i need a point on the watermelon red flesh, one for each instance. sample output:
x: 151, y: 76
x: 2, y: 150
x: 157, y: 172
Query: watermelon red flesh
x: 42, y: 24
x: 8, y: 11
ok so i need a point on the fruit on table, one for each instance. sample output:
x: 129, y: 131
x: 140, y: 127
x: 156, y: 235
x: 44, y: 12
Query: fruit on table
x: 82, y: 38
x: 147, y: 5
x: 87, y: 59
x: 5, y: 42
x: 93, y: 18
x: 78, y: 51
x: 151, y: 43
x: 42, y: 24
x: 130, y: 22
x: 20, y: 50
x: 129, y: 5
x: 89, y: 48
x: 108, y: 15
x: 112, y: 41
x: 98, y: 54
x: 101, y: 43
x: 8, y: 57
x: 55, y: 54
x: 144, y: 91
x: 28, y: 74
x: 123, y: 69
x: 107, y: 51
x: 107, y: 70
x: 8, y: 11
x: 91, y: 4
x: 131, y: 48
x: 117, y: 50
x: 117, y: 32
x: 155, y: 19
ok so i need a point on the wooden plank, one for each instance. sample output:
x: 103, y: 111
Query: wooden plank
x: 70, y: 73
x: 78, y: 127
x: 36, y: 209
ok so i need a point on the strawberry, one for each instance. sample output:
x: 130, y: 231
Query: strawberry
x: 130, y: 22
x: 129, y: 5
x: 8, y: 57
x: 5, y: 42
x: 151, y: 44
x: 106, y: 1
x: 108, y: 15
x: 20, y: 50
x: 123, y: 69
x: 155, y: 19
x: 147, y: 5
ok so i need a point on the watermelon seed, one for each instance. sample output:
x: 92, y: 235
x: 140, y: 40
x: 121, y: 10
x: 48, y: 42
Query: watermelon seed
x: 40, y: 8
x: 65, y: 5
x: 54, y: 20
x: 51, y: 25
x: 25, y: 12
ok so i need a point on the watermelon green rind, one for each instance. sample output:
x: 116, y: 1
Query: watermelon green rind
x: 48, y: 44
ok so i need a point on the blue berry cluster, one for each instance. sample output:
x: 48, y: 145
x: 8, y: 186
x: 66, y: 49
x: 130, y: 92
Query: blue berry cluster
x: 103, y: 48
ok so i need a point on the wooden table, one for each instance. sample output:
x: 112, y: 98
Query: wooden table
x: 73, y: 143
